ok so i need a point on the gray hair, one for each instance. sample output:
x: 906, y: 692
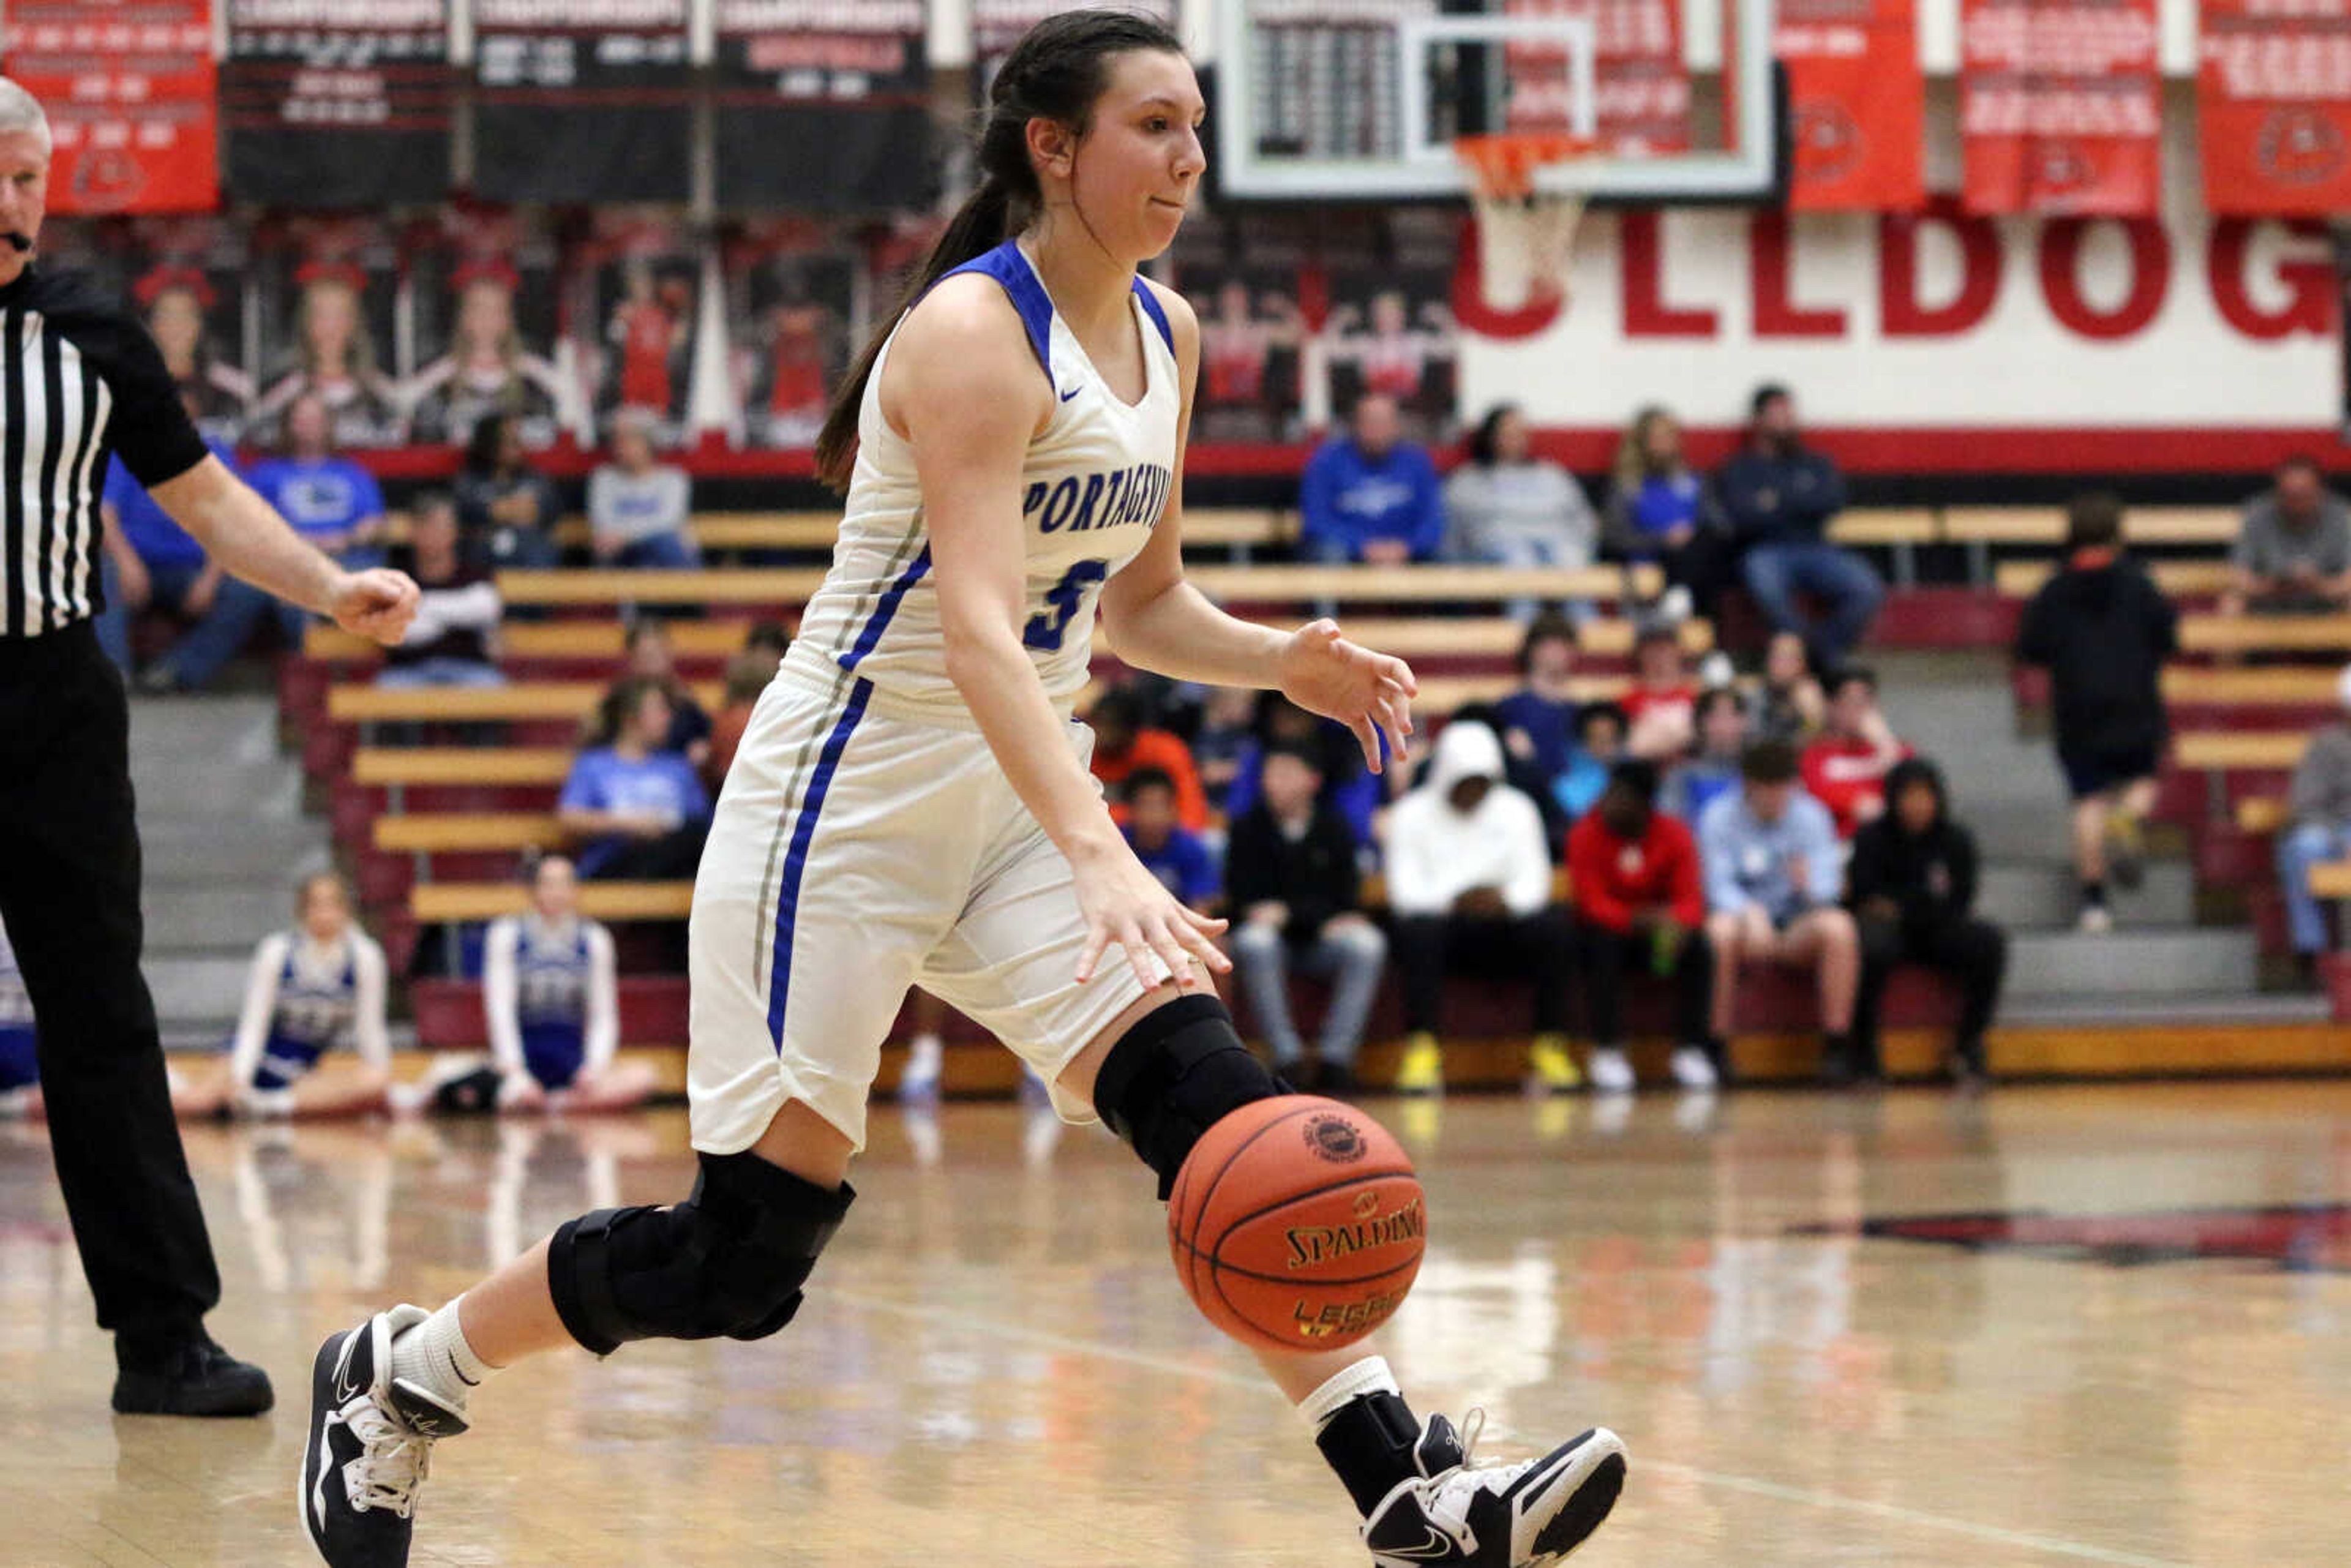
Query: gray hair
x: 20, y: 111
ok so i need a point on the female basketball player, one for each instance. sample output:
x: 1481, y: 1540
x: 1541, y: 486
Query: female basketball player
x: 911, y: 803
x: 313, y: 988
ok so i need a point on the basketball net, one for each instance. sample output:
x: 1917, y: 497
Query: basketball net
x: 1526, y: 236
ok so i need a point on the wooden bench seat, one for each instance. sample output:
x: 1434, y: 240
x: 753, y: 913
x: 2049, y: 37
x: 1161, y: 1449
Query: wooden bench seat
x: 450, y: 833
x: 520, y: 701
x: 1885, y: 526
x: 583, y: 639
x: 390, y: 766
x: 2286, y: 686
x: 2260, y: 814
x: 439, y: 903
x: 2046, y: 524
x: 2331, y: 880
x: 2251, y: 750
x: 2178, y: 578
x: 2265, y: 634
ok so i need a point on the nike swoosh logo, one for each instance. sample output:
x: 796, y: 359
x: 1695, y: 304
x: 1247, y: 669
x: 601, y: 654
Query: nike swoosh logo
x: 345, y: 1389
x: 1437, y: 1548
x: 1071, y: 392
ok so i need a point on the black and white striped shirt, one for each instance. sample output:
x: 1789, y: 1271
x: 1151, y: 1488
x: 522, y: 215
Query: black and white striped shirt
x: 79, y: 377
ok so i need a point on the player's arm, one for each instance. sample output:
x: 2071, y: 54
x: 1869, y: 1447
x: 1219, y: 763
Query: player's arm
x: 1154, y: 620
x: 369, y: 1036
x: 601, y: 1035
x: 963, y: 385
x: 253, y: 1019
x: 502, y: 998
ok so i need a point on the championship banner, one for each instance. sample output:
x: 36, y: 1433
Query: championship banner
x: 582, y: 101
x: 2273, y: 107
x: 1640, y: 78
x: 823, y: 106
x: 2060, y: 107
x: 337, y: 103
x: 1859, y: 99
x: 129, y: 94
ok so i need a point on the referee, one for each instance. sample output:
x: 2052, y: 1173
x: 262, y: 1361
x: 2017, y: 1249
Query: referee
x: 79, y: 378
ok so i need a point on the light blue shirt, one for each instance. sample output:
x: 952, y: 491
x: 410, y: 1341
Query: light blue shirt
x: 1746, y: 860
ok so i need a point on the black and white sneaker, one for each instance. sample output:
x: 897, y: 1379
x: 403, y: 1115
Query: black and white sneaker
x: 1527, y: 1515
x: 369, y: 1441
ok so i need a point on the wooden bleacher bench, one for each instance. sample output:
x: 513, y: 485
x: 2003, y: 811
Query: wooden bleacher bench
x: 440, y: 832
x: 2252, y: 751
x: 2265, y: 634
x: 388, y: 766
x: 2180, y: 579
x: 2260, y: 814
x: 440, y: 903
x: 521, y: 700
x: 759, y: 586
x: 605, y: 638
x: 2331, y: 881
x: 2280, y: 686
x: 1884, y: 526
x: 2046, y: 524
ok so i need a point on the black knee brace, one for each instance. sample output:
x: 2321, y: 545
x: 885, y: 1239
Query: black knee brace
x: 1177, y: 1073
x: 729, y: 1260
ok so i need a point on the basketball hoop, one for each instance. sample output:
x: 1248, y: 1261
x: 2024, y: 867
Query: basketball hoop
x: 1526, y: 236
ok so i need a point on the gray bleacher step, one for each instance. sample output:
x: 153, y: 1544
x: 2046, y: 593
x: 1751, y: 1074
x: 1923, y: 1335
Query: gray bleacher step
x: 182, y: 851
x: 2129, y: 1010
x: 2192, y: 961
x: 193, y: 989
x: 217, y: 758
x: 189, y: 918
x: 2038, y: 895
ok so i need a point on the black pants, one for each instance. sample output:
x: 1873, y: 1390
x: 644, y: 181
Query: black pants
x: 1974, y: 952
x: 1603, y: 958
x: 70, y: 895
x: 672, y: 857
x: 1537, y: 947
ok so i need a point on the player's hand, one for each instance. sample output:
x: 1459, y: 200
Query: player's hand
x: 1369, y: 693
x: 377, y: 604
x: 1124, y: 902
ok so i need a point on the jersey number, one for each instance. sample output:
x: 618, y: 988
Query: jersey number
x: 1066, y: 598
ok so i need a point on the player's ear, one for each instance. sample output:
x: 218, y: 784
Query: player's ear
x: 1053, y: 146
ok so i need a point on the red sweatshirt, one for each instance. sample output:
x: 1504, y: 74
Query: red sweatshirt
x: 1616, y: 879
x: 1164, y: 750
x: 1841, y: 773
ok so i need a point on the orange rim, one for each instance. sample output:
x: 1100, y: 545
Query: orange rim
x: 1504, y: 163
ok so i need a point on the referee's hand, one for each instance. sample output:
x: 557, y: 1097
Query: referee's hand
x: 376, y: 603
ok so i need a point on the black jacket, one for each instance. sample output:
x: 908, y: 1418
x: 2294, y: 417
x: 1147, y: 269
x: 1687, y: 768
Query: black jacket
x: 1932, y: 876
x: 1316, y: 874
x: 2102, y: 633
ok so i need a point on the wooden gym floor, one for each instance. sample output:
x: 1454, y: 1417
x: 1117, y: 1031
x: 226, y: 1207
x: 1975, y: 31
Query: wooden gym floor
x: 2116, y: 1329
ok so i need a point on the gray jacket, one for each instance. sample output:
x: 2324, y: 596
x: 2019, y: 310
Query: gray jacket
x: 2322, y: 784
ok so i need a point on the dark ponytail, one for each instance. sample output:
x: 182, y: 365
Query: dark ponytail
x: 1056, y: 72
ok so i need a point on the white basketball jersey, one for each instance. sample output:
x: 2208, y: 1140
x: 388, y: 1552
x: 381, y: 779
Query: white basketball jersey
x: 1092, y: 487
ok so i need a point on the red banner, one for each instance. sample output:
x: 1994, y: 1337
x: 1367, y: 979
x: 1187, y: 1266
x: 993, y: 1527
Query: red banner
x: 1859, y: 99
x: 127, y: 85
x: 2060, y: 106
x: 2273, y: 107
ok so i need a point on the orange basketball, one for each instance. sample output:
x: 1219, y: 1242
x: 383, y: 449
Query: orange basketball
x: 1297, y: 1222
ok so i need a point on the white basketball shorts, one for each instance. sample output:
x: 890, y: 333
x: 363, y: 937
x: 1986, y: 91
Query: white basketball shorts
x: 857, y: 851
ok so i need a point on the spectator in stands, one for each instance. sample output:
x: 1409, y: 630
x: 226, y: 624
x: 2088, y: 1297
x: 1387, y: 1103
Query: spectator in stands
x: 1786, y: 703
x: 1913, y: 893
x: 1712, y: 771
x: 20, y: 1065
x: 1640, y: 903
x: 1178, y: 858
x: 1124, y: 743
x: 150, y: 559
x: 316, y: 987
x: 454, y: 641
x: 330, y: 500
x: 1348, y: 787
x: 640, y: 508
x: 1371, y: 495
x: 1779, y: 496
x: 1537, y: 721
x: 1661, y: 509
x: 1846, y: 767
x: 638, y: 812
x: 1662, y: 706
x: 653, y: 657
x: 1772, y: 876
x: 2318, y: 829
x: 1470, y: 886
x: 2293, y: 553
x: 1600, y: 731
x: 508, y: 508
x: 749, y: 675
x: 1294, y: 884
x: 551, y: 994
x: 1228, y: 727
x: 1506, y: 506
x: 2103, y: 630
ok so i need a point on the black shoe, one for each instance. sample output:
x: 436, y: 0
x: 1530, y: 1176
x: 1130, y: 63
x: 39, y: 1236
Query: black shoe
x: 369, y: 1442
x: 1527, y: 1515
x: 1837, y: 1067
x: 195, y: 1377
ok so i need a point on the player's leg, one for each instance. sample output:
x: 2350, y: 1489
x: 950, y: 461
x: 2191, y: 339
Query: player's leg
x: 362, y: 1092
x: 621, y: 1086
x: 1727, y: 934
x: 1825, y: 942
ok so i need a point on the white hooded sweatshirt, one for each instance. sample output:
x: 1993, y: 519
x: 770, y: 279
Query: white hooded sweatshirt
x: 1435, y: 853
